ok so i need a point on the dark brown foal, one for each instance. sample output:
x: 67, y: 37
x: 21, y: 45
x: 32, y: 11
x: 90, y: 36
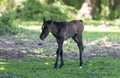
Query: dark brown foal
x: 63, y: 31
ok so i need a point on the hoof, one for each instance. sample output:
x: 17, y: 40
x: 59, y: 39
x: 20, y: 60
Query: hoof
x: 61, y: 65
x: 55, y: 67
x: 80, y: 67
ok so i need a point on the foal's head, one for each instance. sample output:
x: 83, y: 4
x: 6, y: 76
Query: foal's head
x: 45, y: 28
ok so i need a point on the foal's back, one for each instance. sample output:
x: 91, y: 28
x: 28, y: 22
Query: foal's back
x: 72, y: 28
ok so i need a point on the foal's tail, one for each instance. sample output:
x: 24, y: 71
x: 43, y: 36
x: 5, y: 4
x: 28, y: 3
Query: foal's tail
x: 81, y: 21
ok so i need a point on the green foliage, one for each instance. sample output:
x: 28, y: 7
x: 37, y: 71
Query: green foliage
x: 6, y: 23
x: 74, y: 3
x: 34, y: 10
x: 115, y: 9
x: 114, y: 14
x: 110, y: 9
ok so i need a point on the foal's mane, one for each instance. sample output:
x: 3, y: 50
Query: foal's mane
x: 59, y: 25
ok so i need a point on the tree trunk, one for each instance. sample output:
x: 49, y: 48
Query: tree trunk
x: 114, y: 9
x: 89, y: 8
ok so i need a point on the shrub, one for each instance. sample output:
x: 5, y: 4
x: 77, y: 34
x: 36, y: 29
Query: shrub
x: 76, y: 3
x: 6, y: 23
x: 34, y: 10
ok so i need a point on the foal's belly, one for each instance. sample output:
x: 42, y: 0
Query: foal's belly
x: 68, y: 36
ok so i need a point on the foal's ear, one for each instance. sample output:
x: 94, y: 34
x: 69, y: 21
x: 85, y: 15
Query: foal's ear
x: 44, y: 19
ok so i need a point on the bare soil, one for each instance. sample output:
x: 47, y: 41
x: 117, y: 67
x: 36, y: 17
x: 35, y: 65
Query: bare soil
x: 19, y: 49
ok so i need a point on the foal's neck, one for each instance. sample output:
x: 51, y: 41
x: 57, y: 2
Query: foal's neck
x: 54, y: 28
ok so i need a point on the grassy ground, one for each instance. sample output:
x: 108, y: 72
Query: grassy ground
x: 21, y: 57
x: 43, y: 68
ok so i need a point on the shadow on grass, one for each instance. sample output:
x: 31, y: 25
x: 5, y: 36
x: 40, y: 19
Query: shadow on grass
x: 26, y: 43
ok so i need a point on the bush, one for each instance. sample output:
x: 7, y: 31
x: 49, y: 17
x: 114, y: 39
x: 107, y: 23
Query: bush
x: 74, y: 3
x: 6, y: 23
x: 34, y: 10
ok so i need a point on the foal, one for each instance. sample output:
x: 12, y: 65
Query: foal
x: 62, y: 31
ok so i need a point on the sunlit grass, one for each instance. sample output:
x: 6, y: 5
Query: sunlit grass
x: 103, y: 22
x: 101, y: 28
x: 31, y: 28
x: 2, y: 65
x: 2, y: 68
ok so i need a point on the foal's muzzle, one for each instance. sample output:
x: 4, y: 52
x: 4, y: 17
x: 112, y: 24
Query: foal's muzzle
x: 42, y: 37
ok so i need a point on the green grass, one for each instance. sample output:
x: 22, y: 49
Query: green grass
x: 43, y: 68
x: 101, y: 36
x: 108, y: 23
x: 34, y: 67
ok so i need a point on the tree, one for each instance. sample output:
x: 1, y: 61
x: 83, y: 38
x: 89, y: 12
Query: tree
x: 89, y: 9
x: 114, y: 6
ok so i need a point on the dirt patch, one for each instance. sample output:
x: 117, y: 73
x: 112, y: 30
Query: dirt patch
x: 20, y: 49
x: 103, y: 49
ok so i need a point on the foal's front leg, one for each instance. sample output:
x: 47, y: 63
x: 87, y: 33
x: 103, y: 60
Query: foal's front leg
x: 57, y: 57
x: 59, y: 53
x: 62, y: 61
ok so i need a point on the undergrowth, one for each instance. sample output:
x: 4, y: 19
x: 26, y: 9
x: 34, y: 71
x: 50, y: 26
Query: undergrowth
x: 6, y: 23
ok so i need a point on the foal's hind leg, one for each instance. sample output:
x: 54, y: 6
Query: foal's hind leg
x: 81, y: 50
x: 78, y: 40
